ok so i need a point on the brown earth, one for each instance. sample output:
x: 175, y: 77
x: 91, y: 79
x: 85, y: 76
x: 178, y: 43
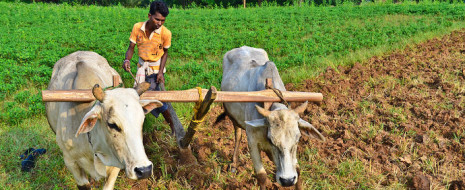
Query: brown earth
x: 414, y: 97
x: 401, y: 115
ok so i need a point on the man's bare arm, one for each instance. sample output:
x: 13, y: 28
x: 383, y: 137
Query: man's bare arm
x: 129, y: 54
x: 160, y: 77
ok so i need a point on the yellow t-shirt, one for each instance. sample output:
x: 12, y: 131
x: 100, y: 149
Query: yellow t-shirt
x: 150, y: 48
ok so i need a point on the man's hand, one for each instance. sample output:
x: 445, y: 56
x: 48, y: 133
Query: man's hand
x: 160, y: 78
x: 127, y: 65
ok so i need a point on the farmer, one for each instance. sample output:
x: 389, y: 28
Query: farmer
x: 153, y: 40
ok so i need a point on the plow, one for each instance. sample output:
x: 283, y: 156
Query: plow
x: 202, y: 97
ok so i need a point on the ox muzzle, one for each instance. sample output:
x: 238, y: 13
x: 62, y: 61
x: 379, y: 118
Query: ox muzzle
x: 287, y: 182
x: 143, y: 172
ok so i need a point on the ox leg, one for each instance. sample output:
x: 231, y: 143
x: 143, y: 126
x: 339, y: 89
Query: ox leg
x: 78, y: 173
x: 112, y: 174
x: 237, y: 143
x: 298, y: 186
x: 258, y: 165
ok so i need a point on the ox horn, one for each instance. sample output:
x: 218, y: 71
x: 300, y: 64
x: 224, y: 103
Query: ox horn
x: 142, y: 87
x: 98, y: 93
x: 301, y: 108
x: 262, y: 111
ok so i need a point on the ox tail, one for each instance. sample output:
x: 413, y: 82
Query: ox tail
x: 220, y: 118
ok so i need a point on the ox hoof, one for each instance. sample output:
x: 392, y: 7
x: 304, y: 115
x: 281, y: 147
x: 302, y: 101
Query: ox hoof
x: 84, y: 187
x: 298, y: 185
x: 262, y: 180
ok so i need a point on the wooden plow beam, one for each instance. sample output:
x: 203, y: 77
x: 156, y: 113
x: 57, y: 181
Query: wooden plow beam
x: 201, y: 110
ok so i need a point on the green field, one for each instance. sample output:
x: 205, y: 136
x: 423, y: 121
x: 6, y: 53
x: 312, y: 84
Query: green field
x: 301, y: 40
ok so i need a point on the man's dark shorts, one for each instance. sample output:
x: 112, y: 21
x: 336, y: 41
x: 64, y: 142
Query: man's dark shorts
x: 152, y: 79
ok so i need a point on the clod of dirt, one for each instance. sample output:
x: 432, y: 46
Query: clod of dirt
x: 457, y: 185
x: 406, y: 159
x: 419, y: 139
x: 421, y: 182
x: 186, y: 157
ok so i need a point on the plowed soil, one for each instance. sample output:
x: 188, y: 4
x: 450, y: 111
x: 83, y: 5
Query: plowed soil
x: 400, y: 115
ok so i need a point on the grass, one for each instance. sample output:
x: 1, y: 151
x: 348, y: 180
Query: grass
x: 50, y: 171
x: 347, y: 174
x: 295, y: 75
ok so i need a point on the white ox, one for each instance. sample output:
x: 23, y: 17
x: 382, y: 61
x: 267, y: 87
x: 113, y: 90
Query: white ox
x: 277, y: 131
x: 113, y: 123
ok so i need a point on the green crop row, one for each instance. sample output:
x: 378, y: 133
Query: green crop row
x: 34, y: 36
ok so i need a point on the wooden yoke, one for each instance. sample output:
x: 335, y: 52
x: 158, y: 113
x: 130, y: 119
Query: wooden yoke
x: 197, y: 118
x: 187, y: 96
x: 268, y: 96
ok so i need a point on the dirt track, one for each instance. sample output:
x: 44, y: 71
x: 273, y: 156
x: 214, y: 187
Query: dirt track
x: 401, y: 115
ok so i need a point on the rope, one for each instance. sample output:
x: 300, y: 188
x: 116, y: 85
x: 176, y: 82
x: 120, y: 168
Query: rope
x: 196, y: 108
x: 279, y: 94
x: 113, y: 87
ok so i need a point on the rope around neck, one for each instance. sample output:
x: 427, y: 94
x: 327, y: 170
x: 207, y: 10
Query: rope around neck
x: 279, y: 94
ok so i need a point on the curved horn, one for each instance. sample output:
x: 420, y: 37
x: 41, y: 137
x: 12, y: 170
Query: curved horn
x: 301, y: 108
x: 262, y: 111
x: 142, y: 87
x: 98, y: 93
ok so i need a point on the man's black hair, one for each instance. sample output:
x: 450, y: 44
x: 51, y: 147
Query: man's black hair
x: 160, y: 7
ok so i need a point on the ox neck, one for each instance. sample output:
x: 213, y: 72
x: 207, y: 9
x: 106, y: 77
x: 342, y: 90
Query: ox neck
x: 97, y: 141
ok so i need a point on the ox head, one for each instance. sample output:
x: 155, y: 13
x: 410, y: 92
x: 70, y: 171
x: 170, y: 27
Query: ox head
x: 284, y: 128
x: 116, y: 123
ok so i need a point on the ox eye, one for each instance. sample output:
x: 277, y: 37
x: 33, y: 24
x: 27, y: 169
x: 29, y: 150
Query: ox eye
x: 114, y: 126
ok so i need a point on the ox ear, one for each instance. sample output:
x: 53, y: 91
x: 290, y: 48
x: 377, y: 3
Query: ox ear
x: 149, y: 105
x: 256, y: 123
x: 307, y: 129
x: 89, y: 120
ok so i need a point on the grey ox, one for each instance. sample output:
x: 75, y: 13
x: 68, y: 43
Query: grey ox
x: 101, y: 137
x: 274, y: 131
